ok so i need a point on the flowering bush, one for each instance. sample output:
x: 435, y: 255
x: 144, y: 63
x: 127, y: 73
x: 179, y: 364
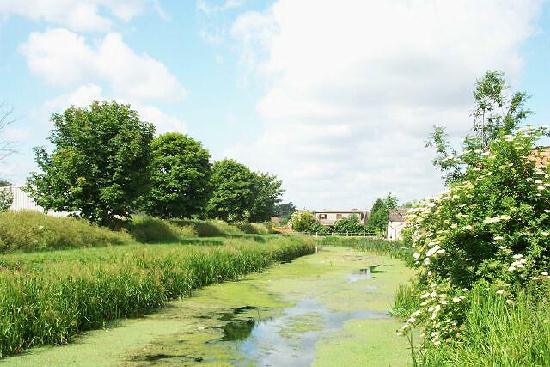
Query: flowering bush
x: 303, y: 221
x: 491, y: 227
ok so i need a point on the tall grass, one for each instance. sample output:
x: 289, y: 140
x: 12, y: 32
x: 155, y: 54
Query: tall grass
x: 406, y: 300
x: 34, y: 231
x: 395, y: 249
x: 47, y: 298
x: 498, y: 334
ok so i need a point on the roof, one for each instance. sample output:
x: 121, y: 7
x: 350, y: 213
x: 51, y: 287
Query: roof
x: 397, y: 215
x: 340, y: 211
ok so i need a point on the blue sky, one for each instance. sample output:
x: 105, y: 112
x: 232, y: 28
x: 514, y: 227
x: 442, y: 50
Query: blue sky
x: 336, y: 97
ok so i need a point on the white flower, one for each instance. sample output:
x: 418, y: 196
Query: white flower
x: 427, y: 261
x: 500, y: 291
x: 517, y: 256
x: 545, y: 273
x: 456, y: 299
x: 491, y: 220
x: 498, y: 238
x: 416, y: 255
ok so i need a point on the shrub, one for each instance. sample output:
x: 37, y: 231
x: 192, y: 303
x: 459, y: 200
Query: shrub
x: 491, y: 227
x: 303, y: 221
x: 34, y: 231
x: 149, y: 229
x: 349, y: 224
x: 255, y: 228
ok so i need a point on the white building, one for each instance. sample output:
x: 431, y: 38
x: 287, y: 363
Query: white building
x: 22, y: 201
x: 329, y: 217
x: 396, y: 223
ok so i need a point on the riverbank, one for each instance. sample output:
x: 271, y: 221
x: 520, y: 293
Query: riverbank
x: 319, y: 310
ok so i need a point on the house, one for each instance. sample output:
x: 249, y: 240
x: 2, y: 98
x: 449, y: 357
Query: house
x: 396, y: 223
x: 22, y: 201
x: 329, y: 217
x: 541, y: 156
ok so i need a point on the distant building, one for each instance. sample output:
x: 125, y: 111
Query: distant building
x: 22, y: 201
x: 541, y: 156
x: 396, y: 223
x: 329, y: 217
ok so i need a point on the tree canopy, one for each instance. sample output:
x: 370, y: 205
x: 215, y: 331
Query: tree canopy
x: 267, y: 194
x: 232, y: 196
x: 180, y: 175
x: 378, y: 218
x: 99, y: 164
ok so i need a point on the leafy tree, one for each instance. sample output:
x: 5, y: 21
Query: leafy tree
x: 267, y: 194
x: 180, y: 175
x: 284, y: 210
x: 99, y: 165
x: 233, y: 191
x: 378, y: 219
x: 496, y: 111
x: 350, y: 224
x: 303, y: 221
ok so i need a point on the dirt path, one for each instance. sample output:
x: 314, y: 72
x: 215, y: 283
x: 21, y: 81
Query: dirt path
x: 319, y: 310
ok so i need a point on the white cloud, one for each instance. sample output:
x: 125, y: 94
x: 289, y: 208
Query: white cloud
x: 62, y: 57
x: 84, y: 95
x: 77, y: 15
x: 355, y: 86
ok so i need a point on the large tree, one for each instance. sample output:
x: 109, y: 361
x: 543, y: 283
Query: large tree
x: 267, y: 194
x: 233, y: 191
x: 99, y: 164
x: 379, y: 214
x: 180, y: 176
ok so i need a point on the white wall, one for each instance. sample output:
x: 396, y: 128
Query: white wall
x: 394, y: 230
x: 22, y: 201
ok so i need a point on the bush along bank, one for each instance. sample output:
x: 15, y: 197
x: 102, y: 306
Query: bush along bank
x: 49, y: 299
x: 483, y: 254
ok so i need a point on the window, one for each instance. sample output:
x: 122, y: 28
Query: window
x: 338, y: 216
x: 322, y: 216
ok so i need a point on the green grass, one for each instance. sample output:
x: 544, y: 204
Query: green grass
x: 395, y: 249
x: 407, y: 300
x: 498, y: 334
x: 47, y: 298
x: 148, y: 229
x: 34, y: 231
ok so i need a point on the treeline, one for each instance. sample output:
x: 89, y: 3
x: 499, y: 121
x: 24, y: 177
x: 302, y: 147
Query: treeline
x: 377, y: 221
x: 107, y: 165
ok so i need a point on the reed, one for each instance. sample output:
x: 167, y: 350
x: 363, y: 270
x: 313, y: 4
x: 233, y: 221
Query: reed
x: 47, y: 298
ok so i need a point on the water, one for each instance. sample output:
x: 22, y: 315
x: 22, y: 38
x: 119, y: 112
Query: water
x: 289, y: 339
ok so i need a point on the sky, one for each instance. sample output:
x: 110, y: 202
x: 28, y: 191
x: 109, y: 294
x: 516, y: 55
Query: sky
x: 337, y: 98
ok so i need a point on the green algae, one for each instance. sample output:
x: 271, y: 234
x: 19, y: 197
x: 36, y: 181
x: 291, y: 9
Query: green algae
x: 191, y: 331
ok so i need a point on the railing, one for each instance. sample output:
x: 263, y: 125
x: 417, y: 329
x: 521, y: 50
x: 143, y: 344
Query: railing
x: 344, y: 234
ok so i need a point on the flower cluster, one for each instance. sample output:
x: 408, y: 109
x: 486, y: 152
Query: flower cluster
x: 491, y: 227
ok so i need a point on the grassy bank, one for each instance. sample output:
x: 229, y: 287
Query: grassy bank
x: 28, y: 231
x: 47, y: 298
x: 395, y: 249
x: 497, y: 334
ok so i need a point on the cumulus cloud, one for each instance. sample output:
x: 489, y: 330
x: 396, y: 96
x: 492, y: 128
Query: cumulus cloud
x: 76, y: 15
x: 353, y: 88
x: 62, y: 57
x: 85, y: 94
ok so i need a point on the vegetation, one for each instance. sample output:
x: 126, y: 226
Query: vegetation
x: 6, y: 197
x: 240, y: 195
x: 47, y: 298
x: 180, y: 176
x: 394, y: 249
x: 304, y: 221
x: 148, y: 229
x: 349, y: 224
x: 284, y: 211
x: 379, y: 214
x: 99, y: 166
x: 34, y: 231
x: 267, y: 194
x: 482, y: 248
